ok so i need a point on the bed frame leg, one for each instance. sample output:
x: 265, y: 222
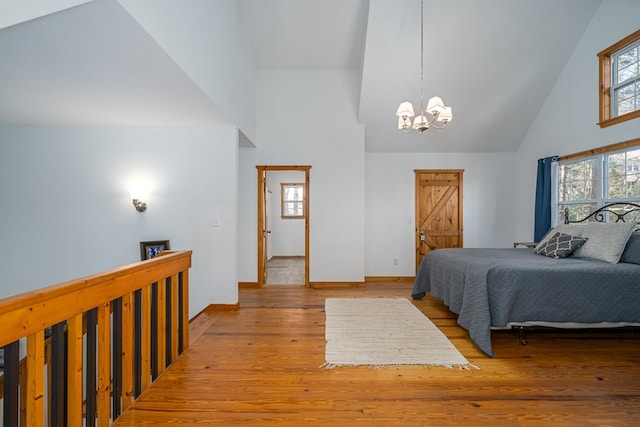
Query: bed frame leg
x: 521, y: 332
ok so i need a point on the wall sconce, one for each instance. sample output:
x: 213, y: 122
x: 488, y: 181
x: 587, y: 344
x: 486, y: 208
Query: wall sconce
x: 138, y: 192
x: 139, y: 205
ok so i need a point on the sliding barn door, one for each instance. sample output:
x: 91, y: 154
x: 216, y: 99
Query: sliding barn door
x: 438, y: 211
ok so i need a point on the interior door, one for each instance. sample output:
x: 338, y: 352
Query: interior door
x: 262, y: 226
x: 267, y: 214
x: 438, y: 210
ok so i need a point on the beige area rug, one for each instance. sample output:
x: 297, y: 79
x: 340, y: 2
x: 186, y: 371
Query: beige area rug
x: 379, y: 332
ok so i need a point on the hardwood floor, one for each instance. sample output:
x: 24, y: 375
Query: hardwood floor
x: 261, y: 364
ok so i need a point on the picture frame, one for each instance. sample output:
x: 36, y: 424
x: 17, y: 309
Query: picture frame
x: 151, y: 248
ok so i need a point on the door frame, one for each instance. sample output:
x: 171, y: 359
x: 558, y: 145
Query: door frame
x: 262, y: 231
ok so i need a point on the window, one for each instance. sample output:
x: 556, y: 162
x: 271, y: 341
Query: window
x: 579, y: 187
x: 620, y: 81
x: 585, y: 184
x: 292, y: 201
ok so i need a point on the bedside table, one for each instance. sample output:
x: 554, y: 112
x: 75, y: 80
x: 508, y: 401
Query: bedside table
x: 525, y: 244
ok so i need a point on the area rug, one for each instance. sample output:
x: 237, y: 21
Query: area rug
x: 380, y: 332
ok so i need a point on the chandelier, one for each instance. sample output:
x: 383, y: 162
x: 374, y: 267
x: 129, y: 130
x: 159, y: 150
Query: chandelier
x: 436, y: 114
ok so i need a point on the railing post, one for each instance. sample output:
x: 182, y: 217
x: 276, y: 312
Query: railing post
x: 145, y: 339
x: 35, y: 379
x: 104, y: 364
x: 127, y: 351
x: 90, y: 372
x: 11, y: 401
x: 184, y: 310
x: 58, y: 377
x: 74, y: 371
x: 173, y: 321
x: 161, y: 328
x: 116, y: 369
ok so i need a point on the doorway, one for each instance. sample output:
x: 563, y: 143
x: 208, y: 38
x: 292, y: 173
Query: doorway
x: 289, y: 260
x: 438, y: 210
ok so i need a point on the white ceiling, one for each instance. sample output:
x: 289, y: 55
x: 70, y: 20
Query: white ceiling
x: 493, y: 61
x: 82, y: 66
x: 306, y: 34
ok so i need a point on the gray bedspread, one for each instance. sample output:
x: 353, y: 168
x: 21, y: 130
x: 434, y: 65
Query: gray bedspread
x: 492, y: 287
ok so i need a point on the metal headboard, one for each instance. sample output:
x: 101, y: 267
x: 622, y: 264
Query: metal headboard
x: 599, y: 215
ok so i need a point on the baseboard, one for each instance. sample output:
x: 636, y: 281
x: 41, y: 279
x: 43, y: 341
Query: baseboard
x: 333, y: 285
x: 325, y: 285
x: 211, y: 308
x: 402, y: 279
x: 199, y: 323
x: 224, y: 307
x: 247, y: 285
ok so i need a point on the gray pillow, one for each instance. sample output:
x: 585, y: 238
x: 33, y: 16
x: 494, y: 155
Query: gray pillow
x: 572, y: 229
x: 606, y: 240
x: 631, y: 252
x: 560, y: 245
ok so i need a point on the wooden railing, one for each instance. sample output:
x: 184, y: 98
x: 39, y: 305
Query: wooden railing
x: 82, y: 351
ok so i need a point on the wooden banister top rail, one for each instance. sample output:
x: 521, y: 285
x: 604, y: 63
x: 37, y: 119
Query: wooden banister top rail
x: 26, y: 313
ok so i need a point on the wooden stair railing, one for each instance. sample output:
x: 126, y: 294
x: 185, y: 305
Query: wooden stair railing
x: 97, y: 342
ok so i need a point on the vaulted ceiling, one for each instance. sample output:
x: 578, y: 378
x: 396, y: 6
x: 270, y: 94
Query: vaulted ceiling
x: 493, y: 61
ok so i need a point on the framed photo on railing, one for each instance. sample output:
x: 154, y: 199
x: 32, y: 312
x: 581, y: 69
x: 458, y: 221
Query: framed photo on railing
x: 152, y: 248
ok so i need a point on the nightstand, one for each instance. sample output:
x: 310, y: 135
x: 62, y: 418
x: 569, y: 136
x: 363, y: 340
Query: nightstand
x: 525, y: 244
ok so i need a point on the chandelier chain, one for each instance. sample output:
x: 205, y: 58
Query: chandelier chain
x: 438, y: 114
x: 421, y: 56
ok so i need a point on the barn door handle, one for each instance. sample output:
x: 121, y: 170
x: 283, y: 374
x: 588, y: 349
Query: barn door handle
x: 422, y: 236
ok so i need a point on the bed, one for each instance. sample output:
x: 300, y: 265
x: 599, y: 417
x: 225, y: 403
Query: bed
x: 597, y: 284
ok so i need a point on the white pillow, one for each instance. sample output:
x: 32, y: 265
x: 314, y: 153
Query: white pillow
x: 606, y: 240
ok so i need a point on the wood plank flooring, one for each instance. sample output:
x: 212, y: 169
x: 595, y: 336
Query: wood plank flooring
x: 261, y: 364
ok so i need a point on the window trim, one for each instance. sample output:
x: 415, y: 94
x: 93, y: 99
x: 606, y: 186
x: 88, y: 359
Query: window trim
x: 605, y: 82
x: 599, y: 152
x: 283, y: 185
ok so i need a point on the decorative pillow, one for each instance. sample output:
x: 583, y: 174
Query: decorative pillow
x: 606, y: 240
x: 572, y: 229
x: 631, y: 252
x: 561, y: 245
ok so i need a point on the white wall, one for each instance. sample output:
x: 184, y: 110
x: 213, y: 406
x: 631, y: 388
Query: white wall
x: 287, y: 235
x: 16, y: 11
x: 359, y: 221
x: 567, y: 122
x: 66, y: 212
x: 309, y: 118
x: 207, y: 41
x: 488, y: 208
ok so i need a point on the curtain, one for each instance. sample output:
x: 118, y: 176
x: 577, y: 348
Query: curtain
x: 543, y: 198
x: 555, y: 209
